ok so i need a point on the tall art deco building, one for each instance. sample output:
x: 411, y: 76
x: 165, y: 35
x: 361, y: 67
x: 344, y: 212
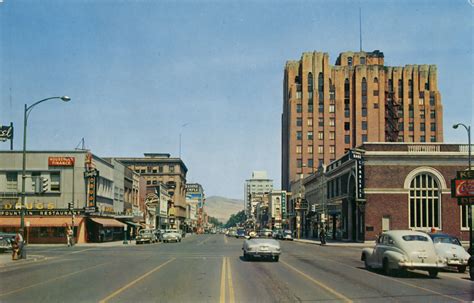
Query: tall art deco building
x: 328, y: 109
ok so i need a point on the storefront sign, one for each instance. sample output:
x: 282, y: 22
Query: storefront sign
x: 29, y: 206
x: 283, y: 204
x: 463, y: 187
x: 6, y: 133
x: 36, y: 212
x: 91, y: 176
x: 360, y: 178
x: 61, y: 161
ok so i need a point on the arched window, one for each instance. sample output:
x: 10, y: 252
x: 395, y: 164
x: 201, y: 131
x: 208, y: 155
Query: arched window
x: 349, y: 61
x: 425, y: 201
x: 376, y: 80
x: 346, y: 88
x: 321, y: 87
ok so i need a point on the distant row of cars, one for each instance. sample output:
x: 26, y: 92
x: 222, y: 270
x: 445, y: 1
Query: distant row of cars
x: 263, y: 233
x: 399, y: 250
x: 159, y: 235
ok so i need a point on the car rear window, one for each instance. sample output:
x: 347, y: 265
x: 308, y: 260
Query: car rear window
x: 415, y: 238
x: 447, y: 240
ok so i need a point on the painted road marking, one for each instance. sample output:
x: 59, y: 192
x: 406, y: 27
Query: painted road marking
x: 120, y: 290
x: 222, y: 298
x: 327, y: 288
x: 50, y: 280
x: 230, y: 282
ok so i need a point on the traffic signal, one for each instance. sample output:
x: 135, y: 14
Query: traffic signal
x: 44, y: 184
x: 70, y: 206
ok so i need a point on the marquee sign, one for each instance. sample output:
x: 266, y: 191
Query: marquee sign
x: 6, y: 133
x: 61, y: 161
x: 91, y: 175
x: 37, y: 212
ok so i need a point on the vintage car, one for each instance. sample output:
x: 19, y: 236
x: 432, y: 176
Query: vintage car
x: 287, y: 235
x: 265, y: 232
x: 171, y: 235
x: 240, y: 233
x: 449, y: 248
x: 398, y: 250
x: 263, y: 248
x: 146, y: 236
x: 6, y: 240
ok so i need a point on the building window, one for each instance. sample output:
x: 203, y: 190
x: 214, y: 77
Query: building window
x: 321, y: 107
x: 310, y: 108
x: 332, y: 135
x: 364, y: 138
x: 422, y: 113
x: 142, y: 171
x: 332, y: 149
x: 149, y: 169
x: 298, y: 149
x: 160, y: 169
x: 55, y: 182
x: 347, y: 139
x: 299, y: 163
x: 425, y: 202
x: 347, y: 126
x: 310, y: 82
x: 148, y: 182
x: 362, y: 60
x: 310, y: 121
x: 401, y: 125
x: 364, y: 91
x: 410, y: 89
x: 364, y: 125
x: 321, y: 87
x: 310, y: 149
x: 422, y: 139
x: 332, y: 122
x: 376, y: 93
x: 464, y: 216
x: 299, y: 108
x: 422, y: 127
x: 349, y: 61
x: 298, y: 94
x: 299, y: 121
x: 154, y: 182
x: 12, y: 181
x: 320, y: 149
x: 347, y: 113
x: 298, y: 135
x: 332, y: 108
x: 411, y: 126
x: 171, y: 168
x: 421, y: 101
x: 321, y: 135
x: 364, y: 111
x: 410, y: 113
x: 310, y: 97
x: 400, y: 88
x: 432, y: 114
x: 155, y: 170
x: 321, y: 121
x: 310, y: 162
x: 346, y: 90
x: 433, y: 127
x: 433, y: 138
x: 310, y: 135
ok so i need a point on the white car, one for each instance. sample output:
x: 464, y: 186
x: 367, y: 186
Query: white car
x: 401, y: 250
x: 264, y: 248
x: 171, y: 235
x: 450, y: 248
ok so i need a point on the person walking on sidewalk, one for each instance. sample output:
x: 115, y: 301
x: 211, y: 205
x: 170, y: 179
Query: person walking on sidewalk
x: 70, y: 236
x: 19, y: 251
x: 322, y: 235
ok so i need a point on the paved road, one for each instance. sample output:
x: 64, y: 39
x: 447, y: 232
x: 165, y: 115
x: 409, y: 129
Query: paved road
x: 209, y: 268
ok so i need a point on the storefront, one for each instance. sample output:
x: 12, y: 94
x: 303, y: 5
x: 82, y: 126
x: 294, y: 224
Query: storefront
x: 104, y: 229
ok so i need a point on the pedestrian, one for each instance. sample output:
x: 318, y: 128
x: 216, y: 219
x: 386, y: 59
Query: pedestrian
x: 20, y: 243
x: 70, y: 236
x: 322, y: 236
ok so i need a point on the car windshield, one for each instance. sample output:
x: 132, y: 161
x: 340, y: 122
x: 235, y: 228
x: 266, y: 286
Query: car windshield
x: 415, y: 238
x: 287, y: 232
x: 145, y: 231
x: 446, y: 240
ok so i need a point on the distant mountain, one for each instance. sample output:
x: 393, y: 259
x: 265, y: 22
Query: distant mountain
x: 221, y: 208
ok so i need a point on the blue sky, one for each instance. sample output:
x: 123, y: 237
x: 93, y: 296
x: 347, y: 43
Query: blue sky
x: 137, y: 71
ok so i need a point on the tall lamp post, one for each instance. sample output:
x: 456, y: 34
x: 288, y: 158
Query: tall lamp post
x: 23, y: 172
x: 469, y: 208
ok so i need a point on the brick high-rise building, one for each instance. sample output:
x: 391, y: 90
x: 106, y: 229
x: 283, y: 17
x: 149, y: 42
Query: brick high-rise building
x: 328, y: 109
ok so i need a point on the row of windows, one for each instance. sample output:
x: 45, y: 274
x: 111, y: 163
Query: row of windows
x: 299, y: 149
x: 54, y: 180
x: 155, y: 169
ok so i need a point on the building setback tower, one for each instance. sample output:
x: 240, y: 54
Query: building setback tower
x: 328, y: 109
x: 258, y: 185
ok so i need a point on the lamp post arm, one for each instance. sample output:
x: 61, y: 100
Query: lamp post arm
x: 29, y: 108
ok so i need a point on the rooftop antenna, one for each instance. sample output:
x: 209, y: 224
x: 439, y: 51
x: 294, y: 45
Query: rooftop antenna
x: 81, y: 143
x: 360, y: 28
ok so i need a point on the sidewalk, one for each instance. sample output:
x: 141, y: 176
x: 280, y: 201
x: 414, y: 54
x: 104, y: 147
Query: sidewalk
x: 333, y: 243
x: 102, y: 244
x: 6, y: 259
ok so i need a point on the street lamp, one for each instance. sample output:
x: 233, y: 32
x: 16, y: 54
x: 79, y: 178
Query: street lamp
x: 469, y: 208
x: 23, y: 173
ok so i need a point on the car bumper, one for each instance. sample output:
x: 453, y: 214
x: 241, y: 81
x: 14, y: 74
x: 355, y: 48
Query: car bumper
x: 171, y: 240
x: 420, y: 265
x: 457, y: 262
x: 263, y: 253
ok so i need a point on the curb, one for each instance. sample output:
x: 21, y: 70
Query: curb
x: 341, y: 244
x: 29, y: 259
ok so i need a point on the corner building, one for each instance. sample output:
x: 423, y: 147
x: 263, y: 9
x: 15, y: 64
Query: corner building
x: 328, y: 109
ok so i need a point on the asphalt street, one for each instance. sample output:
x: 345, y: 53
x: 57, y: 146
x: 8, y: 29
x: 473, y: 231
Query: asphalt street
x: 209, y: 268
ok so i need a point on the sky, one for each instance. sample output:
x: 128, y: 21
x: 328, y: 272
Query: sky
x: 140, y: 73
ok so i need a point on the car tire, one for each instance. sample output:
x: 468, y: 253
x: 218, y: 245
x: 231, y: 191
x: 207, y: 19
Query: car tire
x: 276, y: 258
x: 246, y: 257
x: 433, y: 273
x: 462, y: 269
x: 366, y: 264
x: 386, y: 268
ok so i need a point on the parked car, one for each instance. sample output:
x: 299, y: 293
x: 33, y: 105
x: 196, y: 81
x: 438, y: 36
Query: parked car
x: 471, y: 267
x: 398, y: 250
x: 240, y: 233
x: 276, y: 233
x: 449, y: 248
x: 146, y: 236
x: 6, y: 240
x: 171, y: 235
x: 263, y: 248
x: 265, y: 232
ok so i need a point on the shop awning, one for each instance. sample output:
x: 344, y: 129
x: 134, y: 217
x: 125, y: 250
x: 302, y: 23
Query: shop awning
x: 133, y: 224
x: 108, y: 222
x: 40, y: 222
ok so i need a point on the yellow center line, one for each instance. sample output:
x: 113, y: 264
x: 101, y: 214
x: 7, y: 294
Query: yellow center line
x: 222, y: 299
x: 229, y: 280
x: 327, y: 288
x: 50, y: 280
x: 118, y: 291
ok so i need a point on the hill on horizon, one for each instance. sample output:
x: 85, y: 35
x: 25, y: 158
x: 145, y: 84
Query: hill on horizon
x: 221, y: 207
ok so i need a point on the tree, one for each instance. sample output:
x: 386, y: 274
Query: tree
x: 215, y: 222
x: 236, y: 219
